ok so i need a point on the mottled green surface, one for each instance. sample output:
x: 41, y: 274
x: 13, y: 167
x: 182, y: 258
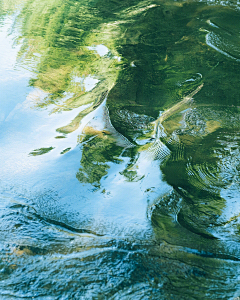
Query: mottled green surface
x: 115, y: 183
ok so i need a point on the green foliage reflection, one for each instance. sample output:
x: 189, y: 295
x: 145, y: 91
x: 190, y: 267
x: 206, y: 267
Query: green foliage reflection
x: 98, y: 151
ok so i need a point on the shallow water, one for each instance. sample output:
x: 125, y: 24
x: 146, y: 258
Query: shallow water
x: 119, y: 149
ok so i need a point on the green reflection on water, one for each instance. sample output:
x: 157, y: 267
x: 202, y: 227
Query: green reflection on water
x: 41, y: 151
x: 97, y: 152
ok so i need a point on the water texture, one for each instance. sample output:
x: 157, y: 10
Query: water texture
x: 119, y: 149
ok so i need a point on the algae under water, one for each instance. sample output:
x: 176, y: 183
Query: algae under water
x: 119, y: 149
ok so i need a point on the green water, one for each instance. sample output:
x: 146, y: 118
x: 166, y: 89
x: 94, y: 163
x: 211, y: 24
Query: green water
x: 119, y: 149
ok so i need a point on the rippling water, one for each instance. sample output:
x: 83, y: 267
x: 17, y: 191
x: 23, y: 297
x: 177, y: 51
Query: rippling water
x: 119, y: 149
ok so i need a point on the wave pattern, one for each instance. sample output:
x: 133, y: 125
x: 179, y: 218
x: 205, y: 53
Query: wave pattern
x: 158, y: 151
x: 204, y: 177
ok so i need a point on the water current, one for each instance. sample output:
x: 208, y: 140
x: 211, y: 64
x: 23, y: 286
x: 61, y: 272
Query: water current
x: 119, y: 149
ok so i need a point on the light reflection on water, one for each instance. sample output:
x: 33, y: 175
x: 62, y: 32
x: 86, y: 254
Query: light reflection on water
x: 101, y: 196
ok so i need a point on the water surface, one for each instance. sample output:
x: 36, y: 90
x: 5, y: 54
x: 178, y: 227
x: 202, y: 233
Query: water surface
x: 119, y: 149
